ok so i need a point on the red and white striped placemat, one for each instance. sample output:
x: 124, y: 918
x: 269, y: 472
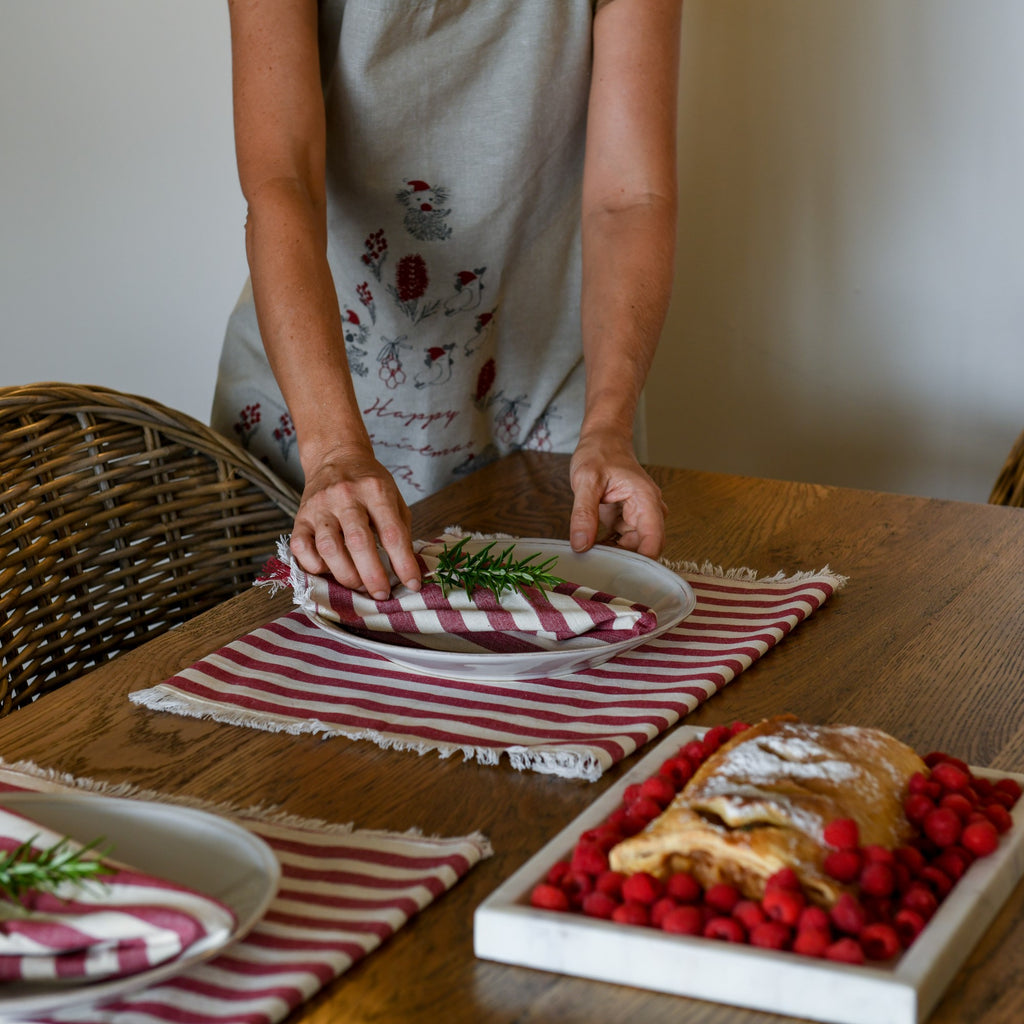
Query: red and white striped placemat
x: 290, y: 675
x: 343, y: 892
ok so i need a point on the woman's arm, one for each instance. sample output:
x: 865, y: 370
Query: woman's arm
x: 628, y: 230
x: 280, y: 145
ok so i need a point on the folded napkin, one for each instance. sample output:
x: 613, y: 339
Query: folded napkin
x: 291, y: 675
x: 105, y: 927
x: 344, y: 891
x: 520, y: 620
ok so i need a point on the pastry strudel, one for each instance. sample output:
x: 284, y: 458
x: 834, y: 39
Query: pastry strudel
x: 761, y: 802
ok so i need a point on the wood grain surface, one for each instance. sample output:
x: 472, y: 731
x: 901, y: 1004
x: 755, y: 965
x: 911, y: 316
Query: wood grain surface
x: 925, y: 641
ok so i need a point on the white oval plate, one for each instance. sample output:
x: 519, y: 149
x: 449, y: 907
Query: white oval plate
x: 194, y: 848
x: 613, y: 570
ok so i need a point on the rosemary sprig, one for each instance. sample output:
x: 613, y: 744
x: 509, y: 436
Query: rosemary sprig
x: 25, y: 869
x: 457, y: 568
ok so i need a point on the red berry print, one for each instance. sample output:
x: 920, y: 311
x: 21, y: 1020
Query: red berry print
x: 375, y: 252
x: 247, y: 422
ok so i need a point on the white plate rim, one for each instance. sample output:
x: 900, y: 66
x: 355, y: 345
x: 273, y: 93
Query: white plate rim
x: 119, y: 812
x: 498, y: 666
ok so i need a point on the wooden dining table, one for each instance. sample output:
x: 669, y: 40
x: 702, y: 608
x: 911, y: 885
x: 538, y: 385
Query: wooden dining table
x: 926, y: 641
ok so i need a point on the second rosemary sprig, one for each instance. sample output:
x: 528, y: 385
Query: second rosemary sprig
x: 457, y: 568
x: 25, y: 869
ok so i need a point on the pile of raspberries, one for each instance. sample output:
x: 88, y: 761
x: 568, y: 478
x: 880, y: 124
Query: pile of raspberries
x: 889, y: 895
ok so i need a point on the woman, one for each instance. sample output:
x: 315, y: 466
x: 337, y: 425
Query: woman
x: 460, y: 234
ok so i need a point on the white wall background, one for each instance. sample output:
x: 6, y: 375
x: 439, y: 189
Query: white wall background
x: 850, y: 291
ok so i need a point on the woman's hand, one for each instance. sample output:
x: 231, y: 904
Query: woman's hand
x: 351, y: 501
x: 614, y: 498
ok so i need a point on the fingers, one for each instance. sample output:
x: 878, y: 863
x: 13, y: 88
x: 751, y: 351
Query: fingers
x: 357, y: 528
x: 621, y: 497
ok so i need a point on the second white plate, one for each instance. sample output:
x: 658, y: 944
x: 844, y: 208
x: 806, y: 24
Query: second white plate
x: 202, y: 851
x: 612, y: 570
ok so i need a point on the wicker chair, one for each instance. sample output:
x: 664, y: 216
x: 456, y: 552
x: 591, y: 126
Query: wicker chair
x: 119, y: 518
x: 1009, y: 486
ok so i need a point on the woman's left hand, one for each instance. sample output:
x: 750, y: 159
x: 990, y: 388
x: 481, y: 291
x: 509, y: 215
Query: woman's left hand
x: 614, y: 498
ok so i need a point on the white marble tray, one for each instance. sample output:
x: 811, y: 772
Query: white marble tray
x: 507, y: 929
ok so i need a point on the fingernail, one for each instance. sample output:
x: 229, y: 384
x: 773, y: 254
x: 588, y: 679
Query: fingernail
x: 380, y: 595
x: 413, y: 584
x: 578, y: 540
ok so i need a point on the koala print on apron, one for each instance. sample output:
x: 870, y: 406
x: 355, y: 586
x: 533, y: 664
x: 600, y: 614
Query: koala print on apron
x: 454, y: 160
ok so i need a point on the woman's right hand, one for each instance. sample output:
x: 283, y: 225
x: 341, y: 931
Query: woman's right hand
x: 349, y: 503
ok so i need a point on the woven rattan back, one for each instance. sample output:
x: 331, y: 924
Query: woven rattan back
x: 119, y: 517
x: 1009, y: 486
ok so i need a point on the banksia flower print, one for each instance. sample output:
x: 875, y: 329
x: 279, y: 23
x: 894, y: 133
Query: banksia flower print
x: 411, y: 283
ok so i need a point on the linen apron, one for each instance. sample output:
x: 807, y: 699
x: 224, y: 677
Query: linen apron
x: 455, y: 133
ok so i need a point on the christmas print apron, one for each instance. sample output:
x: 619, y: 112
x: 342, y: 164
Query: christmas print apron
x: 454, y: 160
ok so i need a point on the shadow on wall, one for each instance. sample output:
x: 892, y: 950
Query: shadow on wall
x: 849, y: 299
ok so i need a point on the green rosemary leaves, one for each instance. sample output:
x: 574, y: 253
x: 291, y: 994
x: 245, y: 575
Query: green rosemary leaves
x: 24, y: 869
x: 456, y: 568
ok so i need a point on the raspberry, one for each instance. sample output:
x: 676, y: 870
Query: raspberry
x: 722, y: 897
x: 848, y: 915
x: 843, y: 834
x: 981, y: 838
x: 879, y: 941
x: 877, y: 879
x: 997, y: 796
x: 599, y: 904
x: 911, y: 857
x: 548, y: 897
x: 660, y: 908
x: 631, y: 912
x: 694, y: 750
x: 737, y: 727
x: 937, y: 880
x: 920, y: 899
x: 846, y: 951
x: 677, y: 770
x: 683, y: 921
x: 642, y: 888
x: 982, y: 787
x: 645, y: 808
x: 610, y: 883
x: 917, y: 807
x: 770, y: 935
x: 812, y: 941
x: 716, y: 736
x: 999, y: 816
x: 557, y: 872
x: 749, y: 914
x: 576, y: 885
x: 950, y: 776
x: 908, y: 924
x: 958, y: 804
x: 784, y: 878
x: 955, y: 860
x: 942, y: 826
x: 726, y: 928
x: 684, y: 888
x: 631, y: 793
x: 918, y: 783
x: 1009, y: 786
x: 658, y: 789
x: 881, y: 854
x: 813, y: 917
x: 589, y: 858
x: 783, y: 905
x: 843, y: 865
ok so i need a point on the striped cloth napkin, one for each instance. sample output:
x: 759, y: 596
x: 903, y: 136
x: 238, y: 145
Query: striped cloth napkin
x: 291, y: 675
x: 527, y: 620
x: 343, y: 892
x: 112, y: 926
